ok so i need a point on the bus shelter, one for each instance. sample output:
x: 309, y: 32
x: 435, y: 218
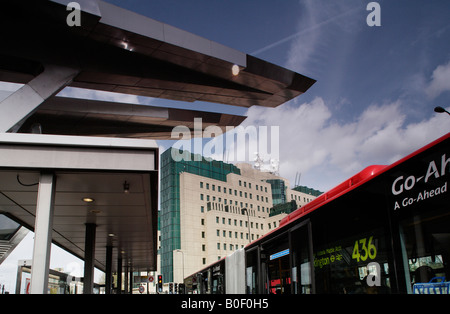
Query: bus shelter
x: 78, y: 182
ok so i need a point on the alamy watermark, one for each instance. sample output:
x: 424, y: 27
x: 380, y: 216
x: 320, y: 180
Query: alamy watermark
x: 74, y: 17
x: 373, y: 278
x: 374, y: 17
x: 236, y: 144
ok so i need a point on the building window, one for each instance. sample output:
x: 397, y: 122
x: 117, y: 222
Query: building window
x: 201, y: 185
x: 202, y: 209
x: 218, y: 246
x: 204, y: 260
x: 203, y: 234
x: 207, y: 186
x: 217, y: 219
x: 218, y: 232
x: 201, y: 197
x: 203, y: 247
x: 203, y: 222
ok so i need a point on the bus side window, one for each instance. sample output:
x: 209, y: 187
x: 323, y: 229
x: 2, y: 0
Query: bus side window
x: 426, y: 248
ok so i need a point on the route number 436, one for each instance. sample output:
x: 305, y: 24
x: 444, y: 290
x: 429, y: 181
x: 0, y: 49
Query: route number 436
x: 363, y: 249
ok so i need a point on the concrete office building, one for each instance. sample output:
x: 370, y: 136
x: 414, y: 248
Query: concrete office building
x: 210, y: 208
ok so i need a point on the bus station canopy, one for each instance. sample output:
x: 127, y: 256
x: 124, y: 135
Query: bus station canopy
x: 116, y: 50
x: 81, y: 150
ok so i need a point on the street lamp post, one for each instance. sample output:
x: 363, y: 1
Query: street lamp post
x: 248, y: 221
x: 441, y: 110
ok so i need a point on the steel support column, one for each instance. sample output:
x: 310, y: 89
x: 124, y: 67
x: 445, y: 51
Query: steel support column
x: 108, y: 273
x: 119, y: 275
x: 131, y: 279
x: 125, y: 284
x: 43, y: 234
x: 89, y: 258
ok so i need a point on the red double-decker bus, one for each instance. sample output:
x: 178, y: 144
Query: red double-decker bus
x: 384, y: 230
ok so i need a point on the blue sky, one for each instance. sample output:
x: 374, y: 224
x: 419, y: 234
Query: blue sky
x: 376, y: 86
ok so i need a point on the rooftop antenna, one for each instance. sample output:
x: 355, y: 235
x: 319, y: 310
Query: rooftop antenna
x: 298, y: 176
x: 258, y: 161
x: 274, y: 166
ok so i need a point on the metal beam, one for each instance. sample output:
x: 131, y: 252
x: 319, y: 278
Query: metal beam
x: 22, y: 103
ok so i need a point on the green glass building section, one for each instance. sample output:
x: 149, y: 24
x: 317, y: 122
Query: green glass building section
x: 170, y: 197
x: 307, y: 190
x: 278, y: 191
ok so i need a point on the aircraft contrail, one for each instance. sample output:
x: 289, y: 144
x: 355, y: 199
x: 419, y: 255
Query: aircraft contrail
x: 286, y: 39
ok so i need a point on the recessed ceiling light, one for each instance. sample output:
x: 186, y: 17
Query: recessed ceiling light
x: 87, y: 199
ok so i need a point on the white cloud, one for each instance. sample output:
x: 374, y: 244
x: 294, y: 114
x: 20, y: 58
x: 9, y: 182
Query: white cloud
x: 326, y: 151
x: 440, y: 81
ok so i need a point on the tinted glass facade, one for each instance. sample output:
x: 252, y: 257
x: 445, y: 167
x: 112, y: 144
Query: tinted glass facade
x: 170, y: 198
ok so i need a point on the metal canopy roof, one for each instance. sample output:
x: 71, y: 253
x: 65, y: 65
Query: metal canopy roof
x: 87, y: 167
x: 72, y: 116
x: 120, y: 51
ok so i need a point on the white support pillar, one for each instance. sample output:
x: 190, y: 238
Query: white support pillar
x: 43, y: 234
x: 22, y: 103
